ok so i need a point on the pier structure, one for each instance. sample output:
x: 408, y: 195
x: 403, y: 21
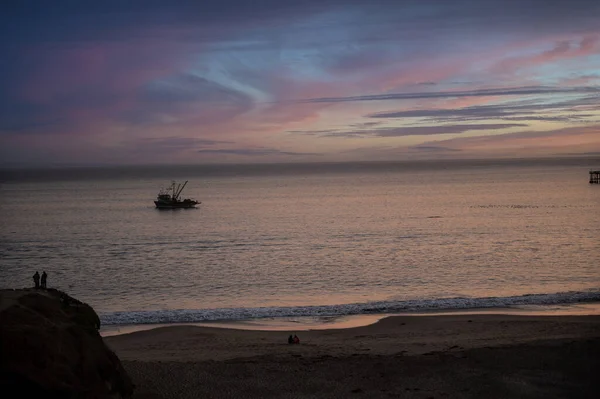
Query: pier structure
x: 594, y: 176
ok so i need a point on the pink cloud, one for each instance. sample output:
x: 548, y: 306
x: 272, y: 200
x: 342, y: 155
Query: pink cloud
x: 433, y: 71
x: 282, y: 115
x: 487, y: 65
x: 560, y: 142
x: 564, y: 49
x: 88, y: 85
x: 577, y: 139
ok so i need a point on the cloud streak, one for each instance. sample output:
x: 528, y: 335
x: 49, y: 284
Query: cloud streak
x: 410, y: 130
x: 578, y: 109
x: 254, y: 152
x: 511, y: 91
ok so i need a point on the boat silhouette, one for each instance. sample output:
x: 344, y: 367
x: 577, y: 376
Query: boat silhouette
x: 170, y: 197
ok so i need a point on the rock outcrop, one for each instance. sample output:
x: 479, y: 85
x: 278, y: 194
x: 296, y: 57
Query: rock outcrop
x: 50, y: 348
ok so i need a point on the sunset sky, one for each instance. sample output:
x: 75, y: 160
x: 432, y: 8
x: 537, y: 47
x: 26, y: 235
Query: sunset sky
x: 187, y: 82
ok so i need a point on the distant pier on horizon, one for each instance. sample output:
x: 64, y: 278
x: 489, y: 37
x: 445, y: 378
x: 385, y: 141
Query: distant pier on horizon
x: 594, y: 176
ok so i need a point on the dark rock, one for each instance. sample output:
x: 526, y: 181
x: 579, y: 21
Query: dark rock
x: 50, y: 347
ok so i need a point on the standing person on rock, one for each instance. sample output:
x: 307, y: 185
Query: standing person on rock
x: 36, y: 279
x: 44, y: 278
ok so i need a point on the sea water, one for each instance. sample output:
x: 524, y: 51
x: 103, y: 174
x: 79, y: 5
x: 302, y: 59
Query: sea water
x: 318, y: 240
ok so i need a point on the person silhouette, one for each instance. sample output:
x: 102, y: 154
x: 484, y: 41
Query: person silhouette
x: 44, y: 278
x: 36, y: 279
x: 290, y: 340
x: 296, y: 339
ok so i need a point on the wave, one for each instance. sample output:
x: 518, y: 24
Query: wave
x: 416, y: 305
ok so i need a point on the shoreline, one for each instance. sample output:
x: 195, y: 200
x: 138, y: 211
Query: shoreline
x: 307, y: 323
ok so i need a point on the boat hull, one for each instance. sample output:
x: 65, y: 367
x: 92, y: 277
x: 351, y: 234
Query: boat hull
x: 176, y: 205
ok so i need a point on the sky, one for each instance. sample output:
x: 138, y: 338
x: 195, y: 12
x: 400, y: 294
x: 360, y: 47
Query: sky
x: 238, y: 81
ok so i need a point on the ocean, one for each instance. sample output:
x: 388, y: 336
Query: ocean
x: 316, y: 241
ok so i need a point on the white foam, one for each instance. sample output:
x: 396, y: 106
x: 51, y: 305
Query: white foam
x: 226, y: 314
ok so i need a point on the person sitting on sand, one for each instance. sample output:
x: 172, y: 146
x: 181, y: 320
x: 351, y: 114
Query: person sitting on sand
x: 296, y: 339
x: 290, y: 340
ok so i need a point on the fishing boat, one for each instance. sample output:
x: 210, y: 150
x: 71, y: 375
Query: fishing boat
x: 170, y: 197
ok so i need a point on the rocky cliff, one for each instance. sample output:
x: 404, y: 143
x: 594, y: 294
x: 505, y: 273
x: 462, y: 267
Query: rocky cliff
x: 50, y: 347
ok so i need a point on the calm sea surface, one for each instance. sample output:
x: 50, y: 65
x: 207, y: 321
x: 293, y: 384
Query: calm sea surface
x: 320, y: 240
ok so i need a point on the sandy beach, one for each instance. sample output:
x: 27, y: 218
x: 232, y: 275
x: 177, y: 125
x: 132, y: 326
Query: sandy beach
x: 459, y: 356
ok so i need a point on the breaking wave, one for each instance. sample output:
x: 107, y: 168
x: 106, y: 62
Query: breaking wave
x: 417, y: 305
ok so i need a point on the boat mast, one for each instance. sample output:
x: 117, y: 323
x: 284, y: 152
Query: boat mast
x: 179, y: 190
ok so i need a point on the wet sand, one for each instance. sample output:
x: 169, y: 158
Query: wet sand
x: 403, y: 356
